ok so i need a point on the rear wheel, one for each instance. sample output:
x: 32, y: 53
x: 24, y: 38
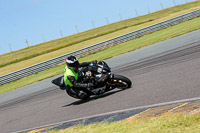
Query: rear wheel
x: 121, y: 82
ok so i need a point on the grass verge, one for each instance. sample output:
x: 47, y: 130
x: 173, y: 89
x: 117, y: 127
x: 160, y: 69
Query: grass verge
x: 146, y: 40
x: 177, y: 123
x: 19, y: 59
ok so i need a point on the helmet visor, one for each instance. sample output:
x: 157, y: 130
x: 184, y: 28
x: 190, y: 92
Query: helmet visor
x: 74, y: 65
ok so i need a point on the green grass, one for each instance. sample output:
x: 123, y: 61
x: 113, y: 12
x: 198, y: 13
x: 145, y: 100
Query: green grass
x: 51, y: 46
x: 177, y: 123
x: 146, y: 40
x: 31, y: 79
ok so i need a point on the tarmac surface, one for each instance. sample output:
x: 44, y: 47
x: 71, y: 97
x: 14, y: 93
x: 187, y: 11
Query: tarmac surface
x: 156, y: 110
x: 171, y: 74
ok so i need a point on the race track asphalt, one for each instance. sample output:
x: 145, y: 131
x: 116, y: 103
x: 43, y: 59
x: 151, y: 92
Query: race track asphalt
x: 162, y: 77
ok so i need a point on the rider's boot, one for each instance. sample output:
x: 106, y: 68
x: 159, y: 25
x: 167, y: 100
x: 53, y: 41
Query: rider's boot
x: 81, y: 94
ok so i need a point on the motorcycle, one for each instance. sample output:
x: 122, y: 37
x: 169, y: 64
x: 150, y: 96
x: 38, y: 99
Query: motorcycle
x: 109, y: 81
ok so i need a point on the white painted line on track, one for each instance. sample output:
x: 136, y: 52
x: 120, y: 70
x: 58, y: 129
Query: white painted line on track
x: 114, y: 112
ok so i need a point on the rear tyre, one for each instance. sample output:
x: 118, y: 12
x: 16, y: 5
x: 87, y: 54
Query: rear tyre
x: 121, y: 82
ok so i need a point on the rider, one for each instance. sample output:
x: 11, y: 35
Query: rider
x: 71, y: 74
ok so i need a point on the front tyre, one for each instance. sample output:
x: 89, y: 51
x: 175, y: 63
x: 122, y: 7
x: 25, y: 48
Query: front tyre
x: 121, y: 82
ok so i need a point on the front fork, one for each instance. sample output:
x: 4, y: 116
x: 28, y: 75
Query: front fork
x: 111, y: 81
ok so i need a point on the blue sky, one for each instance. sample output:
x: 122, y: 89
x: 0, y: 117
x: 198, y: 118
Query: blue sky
x: 42, y: 20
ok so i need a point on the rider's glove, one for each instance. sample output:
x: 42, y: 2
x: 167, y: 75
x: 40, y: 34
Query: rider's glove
x: 88, y: 74
x: 94, y: 62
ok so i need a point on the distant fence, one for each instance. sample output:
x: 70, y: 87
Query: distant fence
x: 96, y: 47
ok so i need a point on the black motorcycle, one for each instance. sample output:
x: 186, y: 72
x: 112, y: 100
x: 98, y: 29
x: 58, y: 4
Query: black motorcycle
x: 109, y: 81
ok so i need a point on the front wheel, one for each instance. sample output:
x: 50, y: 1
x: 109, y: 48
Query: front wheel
x: 121, y: 82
